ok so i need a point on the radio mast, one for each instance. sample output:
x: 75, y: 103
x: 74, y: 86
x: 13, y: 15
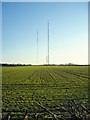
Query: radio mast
x: 37, y: 46
x: 48, y: 42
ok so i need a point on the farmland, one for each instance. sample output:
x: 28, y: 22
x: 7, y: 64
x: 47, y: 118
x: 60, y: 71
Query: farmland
x: 23, y: 87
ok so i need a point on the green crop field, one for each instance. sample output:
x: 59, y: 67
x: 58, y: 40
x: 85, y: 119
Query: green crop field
x: 23, y: 87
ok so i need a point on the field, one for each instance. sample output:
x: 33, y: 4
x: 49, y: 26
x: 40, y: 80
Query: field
x: 23, y: 87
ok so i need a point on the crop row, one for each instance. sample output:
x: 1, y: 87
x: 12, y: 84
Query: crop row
x: 24, y: 86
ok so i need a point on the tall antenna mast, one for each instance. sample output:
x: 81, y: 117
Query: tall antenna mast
x: 37, y: 46
x: 48, y: 42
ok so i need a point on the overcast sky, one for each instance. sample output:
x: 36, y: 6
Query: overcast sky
x: 68, y: 32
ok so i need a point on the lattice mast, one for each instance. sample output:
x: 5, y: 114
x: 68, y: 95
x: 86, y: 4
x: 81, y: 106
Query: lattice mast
x: 37, y: 46
x: 48, y: 42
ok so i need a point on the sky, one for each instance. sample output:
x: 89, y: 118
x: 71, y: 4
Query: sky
x: 0, y: 32
x: 68, y: 24
x: 45, y: 0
